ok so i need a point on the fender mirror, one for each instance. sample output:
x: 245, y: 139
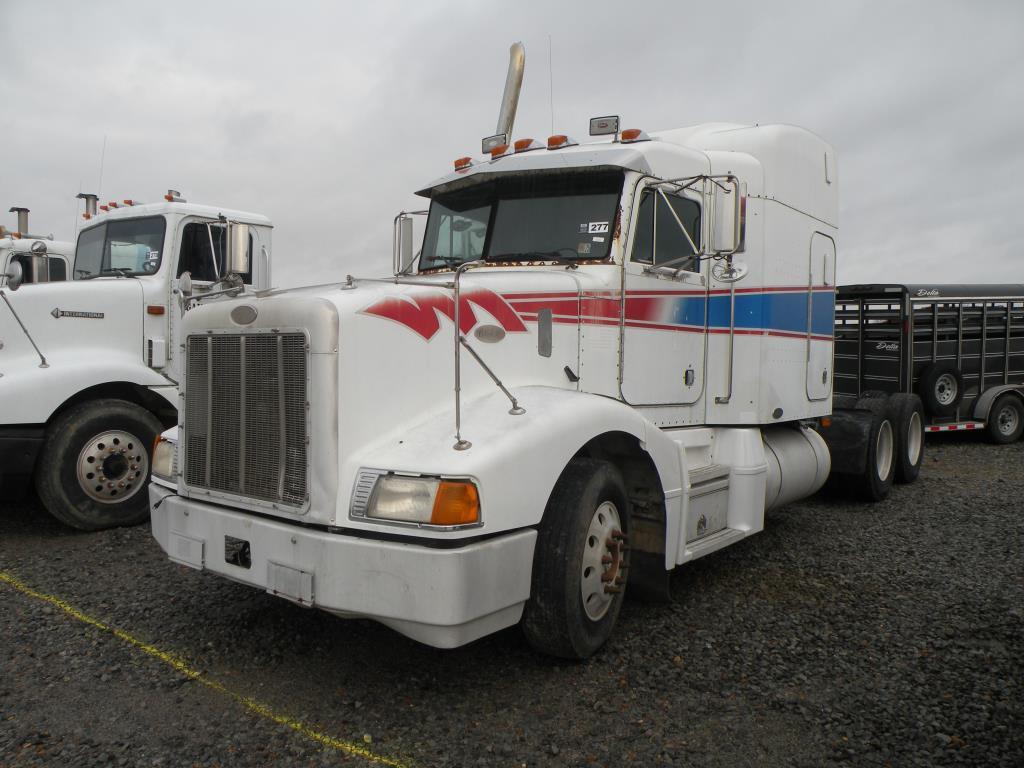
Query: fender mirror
x: 15, y: 275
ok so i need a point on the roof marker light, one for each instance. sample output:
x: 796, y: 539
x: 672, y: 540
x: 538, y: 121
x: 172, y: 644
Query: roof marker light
x: 113, y: 204
x: 630, y: 135
x: 462, y: 163
x: 525, y: 145
x: 104, y: 207
x: 128, y: 202
x: 560, y: 140
x: 500, y: 151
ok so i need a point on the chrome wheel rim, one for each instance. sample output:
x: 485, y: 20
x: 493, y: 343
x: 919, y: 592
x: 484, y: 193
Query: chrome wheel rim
x: 1007, y: 420
x: 112, y: 467
x: 915, y: 435
x: 883, y: 451
x: 602, y: 572
x: 946, y: 389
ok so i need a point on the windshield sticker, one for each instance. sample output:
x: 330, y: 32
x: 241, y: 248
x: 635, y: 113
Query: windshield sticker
x: 597, y: 227
x: 598, y: 239
x: 583, y: 248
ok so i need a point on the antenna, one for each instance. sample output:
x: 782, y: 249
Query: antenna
x: 551, y: 87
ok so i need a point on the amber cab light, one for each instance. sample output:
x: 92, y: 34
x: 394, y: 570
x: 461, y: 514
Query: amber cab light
x: 456, y: 503
x: 463, y: 162
x: 498, y: 151
x: 525, y: 145
x: 633, y: 134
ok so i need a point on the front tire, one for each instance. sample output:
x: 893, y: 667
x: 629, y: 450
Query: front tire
x: 93, y: 469
x: 1006, y: 419
x: 580, y: 562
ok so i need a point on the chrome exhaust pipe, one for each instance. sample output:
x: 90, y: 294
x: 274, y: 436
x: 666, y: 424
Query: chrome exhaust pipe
x: 22, y: 219
x: 90, y: 202
x: 513, y: 84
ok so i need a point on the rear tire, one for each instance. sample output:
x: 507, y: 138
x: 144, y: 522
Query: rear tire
x: 907, y: 415
x: 880, y: 464
x: 580, y: 562
x: 941, y: 387
x: 93, y: 468
x: 1006, y: 419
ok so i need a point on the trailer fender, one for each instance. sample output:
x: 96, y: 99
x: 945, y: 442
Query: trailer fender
x: 984, y: 404
x: 515, y: 459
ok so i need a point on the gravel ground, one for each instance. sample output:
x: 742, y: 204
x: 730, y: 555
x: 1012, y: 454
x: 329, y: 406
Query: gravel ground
x: 844, y: 634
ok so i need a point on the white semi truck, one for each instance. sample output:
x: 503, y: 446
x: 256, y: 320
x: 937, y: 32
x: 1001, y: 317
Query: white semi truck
x: 40, y: 258
x: 609, y: 359
x: 89, y: 367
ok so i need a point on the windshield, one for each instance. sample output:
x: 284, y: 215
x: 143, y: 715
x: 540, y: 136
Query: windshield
x: 125, y: 247
x: 549, y: 215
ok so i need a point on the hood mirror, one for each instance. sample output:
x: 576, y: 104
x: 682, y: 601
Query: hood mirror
x: 15, y: 275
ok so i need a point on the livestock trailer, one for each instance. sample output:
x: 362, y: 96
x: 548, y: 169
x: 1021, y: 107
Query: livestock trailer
x: 960, y: 347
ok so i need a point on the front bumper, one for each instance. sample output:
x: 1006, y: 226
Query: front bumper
x: 441, y: 597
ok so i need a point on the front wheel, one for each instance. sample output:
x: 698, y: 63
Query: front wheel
x: 580, y: 562
x: 94, y: 466
x: 1006, y: 419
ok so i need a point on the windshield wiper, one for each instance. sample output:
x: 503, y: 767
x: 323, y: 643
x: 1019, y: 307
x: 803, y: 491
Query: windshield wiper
x: 555, y: 256
x: 115, y: 271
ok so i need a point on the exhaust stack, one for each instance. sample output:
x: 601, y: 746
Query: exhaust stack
x: 90, y: 203
x: 513, y: 84
x: 22, y: 220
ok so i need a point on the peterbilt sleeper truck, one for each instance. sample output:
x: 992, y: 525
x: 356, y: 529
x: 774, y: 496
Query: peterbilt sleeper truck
x: 89, y: 367
x: 608, y: 359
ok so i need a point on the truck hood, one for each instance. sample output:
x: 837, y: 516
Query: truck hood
x: 381, y: 354
x: 74, y: 324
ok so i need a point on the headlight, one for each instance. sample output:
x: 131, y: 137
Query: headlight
x: 164, y: 459
x: 424, y: 500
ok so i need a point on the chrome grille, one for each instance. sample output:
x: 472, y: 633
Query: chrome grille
x: 245, y: 415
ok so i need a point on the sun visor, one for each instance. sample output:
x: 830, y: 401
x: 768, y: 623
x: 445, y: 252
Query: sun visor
x: 572, y: 158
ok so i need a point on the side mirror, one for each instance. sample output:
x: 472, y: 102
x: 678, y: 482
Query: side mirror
x: 238, y: 248
x: 729, y: 216
x: 15, y: 275
x: 402, y: 255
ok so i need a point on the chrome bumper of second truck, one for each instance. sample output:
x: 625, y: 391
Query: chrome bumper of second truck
x: 441, y: 597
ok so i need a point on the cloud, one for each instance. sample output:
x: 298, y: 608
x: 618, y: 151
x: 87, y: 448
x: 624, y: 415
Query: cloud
x: 327, y: 116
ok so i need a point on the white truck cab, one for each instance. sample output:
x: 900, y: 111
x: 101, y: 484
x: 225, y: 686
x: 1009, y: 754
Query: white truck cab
x: 37, y: 258
x: 89, y: 367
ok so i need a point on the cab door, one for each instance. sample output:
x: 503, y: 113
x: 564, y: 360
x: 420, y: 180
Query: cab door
x: 664, y: 306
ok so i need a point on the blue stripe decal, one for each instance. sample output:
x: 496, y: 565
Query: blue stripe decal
x: 785, y: 312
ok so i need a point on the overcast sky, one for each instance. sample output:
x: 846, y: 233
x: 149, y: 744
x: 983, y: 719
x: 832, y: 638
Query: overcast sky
x: 326, y: 116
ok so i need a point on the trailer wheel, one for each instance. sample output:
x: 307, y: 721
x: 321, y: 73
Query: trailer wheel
x: 907, y: 415
x: 1006, y: 419
x: 94, y: 465
x: 580, y: 562
x: 880, y: 466
x: 941, y: 387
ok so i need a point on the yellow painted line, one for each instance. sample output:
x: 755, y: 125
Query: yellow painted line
x: 182, y: 667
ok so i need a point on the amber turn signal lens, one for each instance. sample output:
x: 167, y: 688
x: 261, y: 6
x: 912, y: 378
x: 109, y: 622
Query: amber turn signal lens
x: 826, y: 421
x: 630, y: 133
x: 463, y: 162
x: 499, y: 150
x: 557, y: 140
x: 456, y: 503
x: 154, y: 309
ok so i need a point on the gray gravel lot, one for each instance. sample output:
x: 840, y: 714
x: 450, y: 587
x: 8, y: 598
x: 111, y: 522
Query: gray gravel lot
x: 844, y: 634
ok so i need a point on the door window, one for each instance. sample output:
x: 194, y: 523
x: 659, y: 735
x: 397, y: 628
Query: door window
x: 198, y: 242
x: 659, y: 238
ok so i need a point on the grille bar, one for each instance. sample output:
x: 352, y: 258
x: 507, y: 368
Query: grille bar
x: 245, y: 415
